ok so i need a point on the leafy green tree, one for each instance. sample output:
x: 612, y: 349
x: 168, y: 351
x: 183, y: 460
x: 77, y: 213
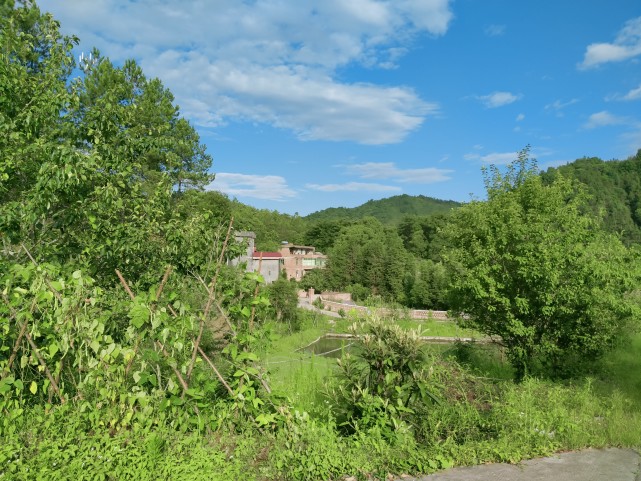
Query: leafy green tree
x: 615, y: 191
x: 427, y: 286
x: 86, y: 164
x: 316, y: 279
x: 323, y: 234
x: 283, y: 296
x: 192, y: 202
x: 421, y: 235
x: 121, y: 112
x: 35, y: 60
x: 409, y: 229
x: 348, y: 259
x: 530, y: 268
x: 370, y: 256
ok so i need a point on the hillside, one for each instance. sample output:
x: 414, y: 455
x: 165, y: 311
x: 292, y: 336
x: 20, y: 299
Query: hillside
x: 389, y: 211
x: 614, y: 188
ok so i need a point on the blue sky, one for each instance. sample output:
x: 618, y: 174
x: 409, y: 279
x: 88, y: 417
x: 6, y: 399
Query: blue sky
x: 312, y: 104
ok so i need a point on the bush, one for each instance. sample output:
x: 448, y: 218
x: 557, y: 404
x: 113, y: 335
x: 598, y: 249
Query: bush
x: 283, y: 296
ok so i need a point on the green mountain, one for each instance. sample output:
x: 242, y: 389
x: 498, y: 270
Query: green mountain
x: 614, y: 188
x: 389, y: 211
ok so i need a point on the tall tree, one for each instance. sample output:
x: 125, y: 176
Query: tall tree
x: 84, y: 163
x: 530, y: 267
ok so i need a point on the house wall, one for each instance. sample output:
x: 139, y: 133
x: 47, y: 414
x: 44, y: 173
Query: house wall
x: 269, y: 269
x: 246, y: 258
x: 299, y: 259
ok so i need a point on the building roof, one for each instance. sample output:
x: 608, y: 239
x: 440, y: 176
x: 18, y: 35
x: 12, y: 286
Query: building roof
x: 266, y: 255
x: 299, y: 246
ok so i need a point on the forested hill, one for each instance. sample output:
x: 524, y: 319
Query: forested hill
x: 615, y: 190
x: 389, y: 211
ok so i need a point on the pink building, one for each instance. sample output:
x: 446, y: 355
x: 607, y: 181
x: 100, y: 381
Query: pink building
x: 297, y: 260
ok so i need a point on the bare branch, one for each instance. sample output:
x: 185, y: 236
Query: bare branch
x: 211, y: 364
x: 125, y: 285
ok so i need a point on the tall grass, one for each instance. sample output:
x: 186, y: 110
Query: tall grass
x: 296, y: 373
x: 621, y: 371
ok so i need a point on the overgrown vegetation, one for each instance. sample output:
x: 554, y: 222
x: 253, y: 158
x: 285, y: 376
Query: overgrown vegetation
x: 130, y: 348
x: 529, y: 267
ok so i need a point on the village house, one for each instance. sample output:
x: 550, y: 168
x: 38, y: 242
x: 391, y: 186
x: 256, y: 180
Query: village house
x: 294, y: 259
x: 298, y: 260
x: 268, y: 264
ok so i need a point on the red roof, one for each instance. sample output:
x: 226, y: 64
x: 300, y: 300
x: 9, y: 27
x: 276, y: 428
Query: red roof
x: 265, y: 255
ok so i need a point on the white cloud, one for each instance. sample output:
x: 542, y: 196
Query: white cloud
x: 558, y: 105
x: 267, y: 187
x: 498, y: 99
x: 626, y: 45
x: 388, y: 170
x: 496, y: 158
x: 494, y: 30
x: 353, y: 187
x: 520, y: 117
x: 270, y: 61
x: 603, y: 119
x: 634, y: 94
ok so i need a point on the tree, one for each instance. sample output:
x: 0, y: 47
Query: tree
x: 323, y: 234
x: 35, y: 60
x: 315, y: 279
x: 426, y: 285
x: 121, y: 112
x: 529, y: 267
x: 87, y: 165
x: 283, y: 296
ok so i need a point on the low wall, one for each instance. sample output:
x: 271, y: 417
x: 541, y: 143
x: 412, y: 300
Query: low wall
x: 332, y: 305
x: 336, y: 296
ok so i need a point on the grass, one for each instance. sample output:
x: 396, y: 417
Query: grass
x: 621, y: 371
x: 599, y: 411
x: 439, y: 328
x: 507, y: 422
x: 302, y: 376
x: 297, y: 373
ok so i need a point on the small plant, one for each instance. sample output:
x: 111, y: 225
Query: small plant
x: 318, y: 303
x: 385, y: 381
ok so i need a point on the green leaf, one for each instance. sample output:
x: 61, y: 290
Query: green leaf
x: 248, y: 355
x: 33, y: 388
x: 139, y: 314
x: 4, y: 386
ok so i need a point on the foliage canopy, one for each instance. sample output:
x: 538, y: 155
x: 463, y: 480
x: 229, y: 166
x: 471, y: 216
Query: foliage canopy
x: 531, y: 269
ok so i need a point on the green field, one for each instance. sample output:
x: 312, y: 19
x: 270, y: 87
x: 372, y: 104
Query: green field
x: 488, y: 418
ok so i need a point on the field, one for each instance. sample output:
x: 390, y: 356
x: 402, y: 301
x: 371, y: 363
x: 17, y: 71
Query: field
x: 487, y: 418
x: 602, y: 409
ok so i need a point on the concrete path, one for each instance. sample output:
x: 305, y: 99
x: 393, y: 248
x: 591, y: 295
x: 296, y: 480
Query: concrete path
x: 587, y: 465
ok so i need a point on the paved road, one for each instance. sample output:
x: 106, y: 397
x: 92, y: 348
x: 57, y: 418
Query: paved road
x: 587, y: 465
